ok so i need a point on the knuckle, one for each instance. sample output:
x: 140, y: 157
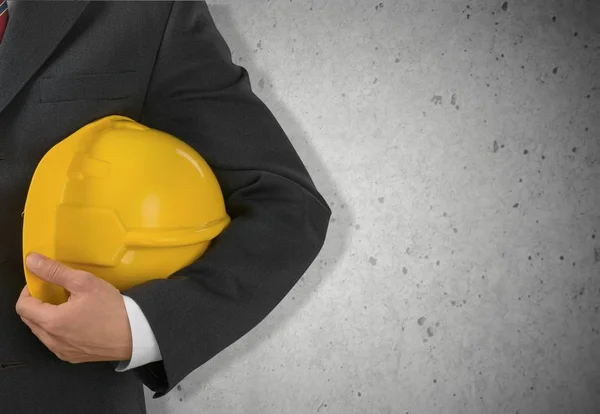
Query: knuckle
x: 19, y: 308
x: 70, y: 358
x: 53, y: 270
x: 61, y: 356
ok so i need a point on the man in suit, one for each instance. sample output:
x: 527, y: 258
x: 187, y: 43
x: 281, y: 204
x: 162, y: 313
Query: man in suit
x: 165, y: 65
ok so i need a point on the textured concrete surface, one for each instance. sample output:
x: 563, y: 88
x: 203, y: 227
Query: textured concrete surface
x: 459, y: 145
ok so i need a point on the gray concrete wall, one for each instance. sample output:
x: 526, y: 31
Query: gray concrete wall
x: 459, y: 145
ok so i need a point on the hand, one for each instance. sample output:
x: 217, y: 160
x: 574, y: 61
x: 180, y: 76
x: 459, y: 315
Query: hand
x: 91, y: 326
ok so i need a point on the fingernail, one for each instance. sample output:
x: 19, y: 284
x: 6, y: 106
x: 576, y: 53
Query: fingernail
x: 33, y: 261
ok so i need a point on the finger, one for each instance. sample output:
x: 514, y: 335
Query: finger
x: 33, y: 309
x: 30, y: 323
x: 55, y: 272
x: 25, y: 296
x: 35, y: 328
x: 25, y: 293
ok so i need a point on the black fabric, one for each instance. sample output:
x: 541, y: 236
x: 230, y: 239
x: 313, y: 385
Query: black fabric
x: 165, y: 65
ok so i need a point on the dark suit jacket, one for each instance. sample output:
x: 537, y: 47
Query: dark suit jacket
x: 63, y: 65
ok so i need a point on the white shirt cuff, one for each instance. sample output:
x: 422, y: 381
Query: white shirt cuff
x: 145, y: 347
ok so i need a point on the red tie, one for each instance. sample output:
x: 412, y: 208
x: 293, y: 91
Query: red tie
x: 3, y: 17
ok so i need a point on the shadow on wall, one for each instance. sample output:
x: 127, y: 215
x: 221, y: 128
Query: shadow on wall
x: 339, y: 229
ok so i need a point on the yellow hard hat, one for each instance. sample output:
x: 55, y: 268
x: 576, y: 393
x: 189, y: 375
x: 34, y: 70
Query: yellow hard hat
x: 123, y: 201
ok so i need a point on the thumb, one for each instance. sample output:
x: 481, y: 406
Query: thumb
x: 55, y: 272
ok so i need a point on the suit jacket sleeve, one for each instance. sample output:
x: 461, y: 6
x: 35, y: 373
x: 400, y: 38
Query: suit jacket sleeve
x: 279, y: 220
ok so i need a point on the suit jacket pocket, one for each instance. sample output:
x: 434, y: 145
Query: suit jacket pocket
x: 93, y: 87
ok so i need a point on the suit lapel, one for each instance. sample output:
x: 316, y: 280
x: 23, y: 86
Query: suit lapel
x: 34, y: 30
